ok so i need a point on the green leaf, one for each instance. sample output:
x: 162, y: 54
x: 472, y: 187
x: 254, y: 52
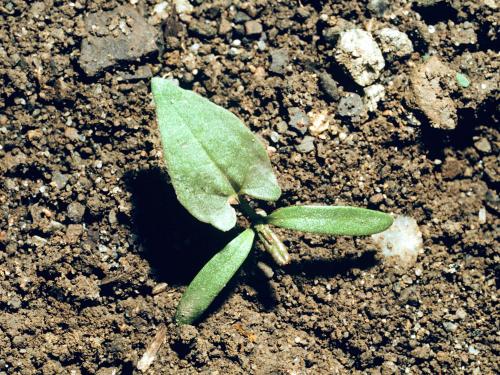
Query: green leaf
x: 334, y: 220
x: 211, y: 156
x: 213, y: 277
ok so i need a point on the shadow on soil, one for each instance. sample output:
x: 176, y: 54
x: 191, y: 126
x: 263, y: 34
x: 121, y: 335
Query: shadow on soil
x: 333, y: 267
x: 174, y: 242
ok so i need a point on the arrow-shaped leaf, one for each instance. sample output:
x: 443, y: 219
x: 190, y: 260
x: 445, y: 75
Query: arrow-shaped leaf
x: 213, y: 277
x: 211, y: 156
x: 333, y: 220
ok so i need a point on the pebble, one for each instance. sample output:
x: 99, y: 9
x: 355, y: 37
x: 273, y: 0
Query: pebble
x: 224, y: 26
x: 59, y: 179
x: 358, y: 52
x: 298, y: 119
x: 373, y: 94
x: 76, y: 211
x: 431, y: 82
x: 319, y: 121
x: 461, y: 314
x: 402, y: 241
x: 450, y: 327
x: 241, y: 17
x: 183, y: 7
x: 394, y: 43
x: 159, y: 288
x: 483, y: 145
x: 102, y: 48
x: 378, y: 7
x: 472, y: 350
x: 329, y: 86
x: 253, y: 27
x: 202, y: 29
x: 307, y: 144
x: 279, y: 61
x: 38, y: 241
x: 275, y: 137
x: 350, y: 105
x: 482, y: 215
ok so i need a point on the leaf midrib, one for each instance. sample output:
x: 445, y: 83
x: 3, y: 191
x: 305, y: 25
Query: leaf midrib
x: 231, y: 182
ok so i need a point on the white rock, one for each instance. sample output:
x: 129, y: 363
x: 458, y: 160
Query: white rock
x: 393, y: 42
x: 482, y: 215
x: 183, y: 7
x: 403, y: 240
x: 319, y: 121
x: 373, y: 94
x: 360, y: 55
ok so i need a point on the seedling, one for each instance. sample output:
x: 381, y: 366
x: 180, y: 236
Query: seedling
x: 215, y: 162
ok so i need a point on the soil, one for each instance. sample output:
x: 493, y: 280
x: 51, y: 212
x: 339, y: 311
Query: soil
x: 95, y: 250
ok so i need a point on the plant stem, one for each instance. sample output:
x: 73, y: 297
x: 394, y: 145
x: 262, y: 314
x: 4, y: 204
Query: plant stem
x: 248, y: 211
x: 272, y: 243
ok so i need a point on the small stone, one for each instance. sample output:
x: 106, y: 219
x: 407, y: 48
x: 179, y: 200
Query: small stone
x: 373, y: 94
x: 329, y: 86
x: 307, y: 144
x: 187, y: 333
x: 202, y: 29
x: 298, y: 119
x: 422, y: 352
x: 71, y: 133
x: 183, y: 7
x: 241, y: 17
x: 112, y: 217
x: 73, y: 233
x: 76, y: 211
x: 350, y: 105
x: 224, y: 26
x: 452, y: 168
x: 394, y: 43
x: 115, y: 36
x: 378, y: 7
x: 275, y: 137
x: 38, y: 241
x: 59, y: 179
x: 482, y: 215
x: 450, y: 327
x: 15, y: 303
x: 431, y: 83
x: 376, y: 199
x: 483, y: 145
x: 319, y: 121
x: 55, y: 226
x: 401, y: 242
x: 461, y: 314
x: 279, y: 61
x: 472, y: 350
x: 253, y: 27
x: 462, y: 80
x: 281, y: 126
x: 360, y: 55
x: 159, y: 288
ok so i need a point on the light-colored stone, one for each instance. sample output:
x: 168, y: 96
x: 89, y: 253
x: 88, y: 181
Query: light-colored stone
x: 360, y: 55
x: 394, y: 43
x: 373, y: 94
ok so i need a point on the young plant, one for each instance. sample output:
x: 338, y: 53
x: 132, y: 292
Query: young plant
x: 214, y: 162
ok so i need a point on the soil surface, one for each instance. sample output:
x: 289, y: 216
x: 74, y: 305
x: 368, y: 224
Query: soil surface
x: 95, y: 250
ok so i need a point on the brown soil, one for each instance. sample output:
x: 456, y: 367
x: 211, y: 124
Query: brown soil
x: 90, y: 228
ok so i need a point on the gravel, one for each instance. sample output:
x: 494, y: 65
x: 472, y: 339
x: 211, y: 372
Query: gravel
x: 358, y: 53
